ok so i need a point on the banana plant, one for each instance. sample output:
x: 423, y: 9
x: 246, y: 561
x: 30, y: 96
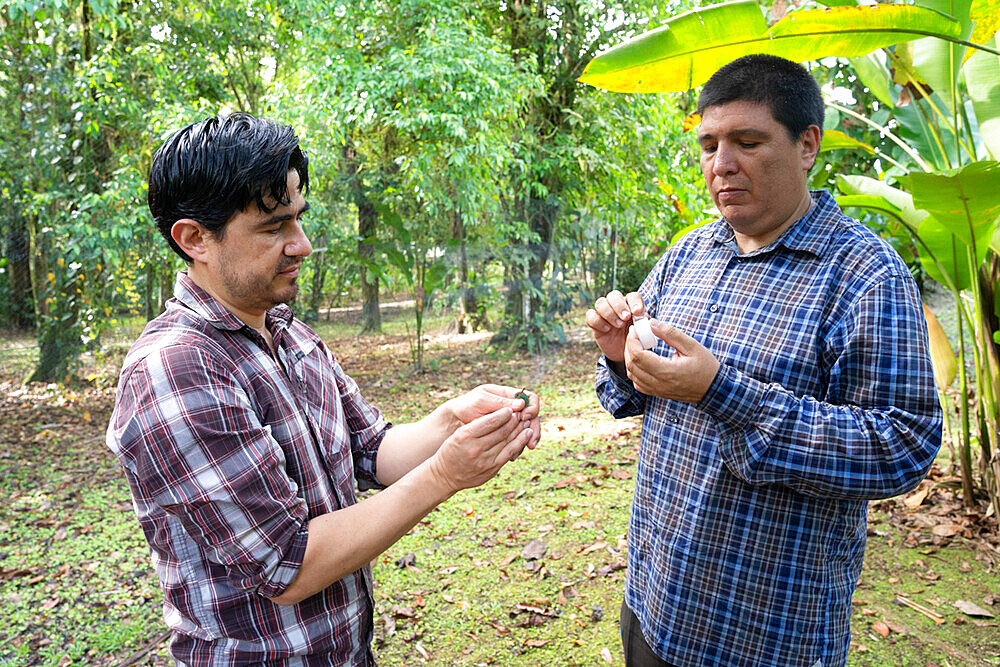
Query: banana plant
x: 935, y: 65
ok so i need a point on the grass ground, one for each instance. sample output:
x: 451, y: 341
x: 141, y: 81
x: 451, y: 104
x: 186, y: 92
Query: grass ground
x: 76, y: 586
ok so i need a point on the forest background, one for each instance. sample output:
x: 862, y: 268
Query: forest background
x: 459, y: 165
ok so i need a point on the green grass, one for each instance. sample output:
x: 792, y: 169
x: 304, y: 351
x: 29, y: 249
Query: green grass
x: 76, y: 585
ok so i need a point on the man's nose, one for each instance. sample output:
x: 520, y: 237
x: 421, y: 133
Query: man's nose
x: 725, y: 161
x: 298, y: 245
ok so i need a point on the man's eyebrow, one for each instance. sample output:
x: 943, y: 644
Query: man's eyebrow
x: 738, y: 132
x: 281, y: 217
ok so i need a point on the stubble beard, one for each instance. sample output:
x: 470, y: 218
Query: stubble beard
x: 256, y: 291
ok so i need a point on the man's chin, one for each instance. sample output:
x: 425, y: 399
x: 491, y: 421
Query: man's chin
x: 286, y: 295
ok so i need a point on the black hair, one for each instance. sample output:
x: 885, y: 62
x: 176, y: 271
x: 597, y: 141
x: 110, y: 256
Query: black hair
x: 785, y: 87
x: 215, y: 168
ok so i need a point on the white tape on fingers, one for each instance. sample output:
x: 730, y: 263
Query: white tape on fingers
x: 644, y: 331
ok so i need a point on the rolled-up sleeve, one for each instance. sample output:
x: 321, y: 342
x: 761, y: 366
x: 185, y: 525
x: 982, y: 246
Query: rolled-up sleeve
x: 193, y: 443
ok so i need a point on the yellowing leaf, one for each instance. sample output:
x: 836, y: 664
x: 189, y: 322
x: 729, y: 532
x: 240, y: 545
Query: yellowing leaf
x: 916, y: 498
x: 942, y: 356
x: 691, y: 122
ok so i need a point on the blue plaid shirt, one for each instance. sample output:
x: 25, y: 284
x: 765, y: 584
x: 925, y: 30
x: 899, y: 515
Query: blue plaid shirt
x: 749, y: 518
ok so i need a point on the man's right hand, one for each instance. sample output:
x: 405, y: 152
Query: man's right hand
x: 610, y: 319
x: 475, y: 452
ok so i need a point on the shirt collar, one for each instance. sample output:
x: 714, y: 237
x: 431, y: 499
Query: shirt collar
x: 212, y: 310
x: 811, y: 233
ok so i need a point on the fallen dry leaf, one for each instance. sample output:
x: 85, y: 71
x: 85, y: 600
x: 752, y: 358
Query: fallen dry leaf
x: 947, y: 529
x: 535, y: 643
x: 593, y: 547
x: 606, y: 655
x: 972, y: 609
x: 916, y: 498
x: 423, y: 652
x: 881, y: 628
x: 534, y: 550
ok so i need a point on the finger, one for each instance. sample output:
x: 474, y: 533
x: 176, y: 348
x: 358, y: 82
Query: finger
x: 513, y: 449
x: 635, y: 304
x: 633, y: 347
x: 596, y: 322
x: 502, y: 434
x: 675, y: 338
x: 643, y: 380
x: 488, y: 423
x: 536, y: 429
x: 496, y: 389
x: 492, y: 397
x: 614, y: 311
x: 618, y: 303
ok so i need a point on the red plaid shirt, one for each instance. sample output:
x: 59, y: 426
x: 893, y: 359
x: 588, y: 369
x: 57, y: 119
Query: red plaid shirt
x: 229, y: 453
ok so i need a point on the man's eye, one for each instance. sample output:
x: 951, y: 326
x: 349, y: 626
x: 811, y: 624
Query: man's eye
x: 748, y: 144
x: 708, y: 149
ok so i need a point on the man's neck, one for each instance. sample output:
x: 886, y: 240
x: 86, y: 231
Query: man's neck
x: 750, y: 243
x: 255, y: 320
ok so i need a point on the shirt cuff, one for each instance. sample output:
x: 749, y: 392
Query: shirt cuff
x: 288, y: 567
x: 622, y: 385
x: 733, y: 398
x: 366, y: 460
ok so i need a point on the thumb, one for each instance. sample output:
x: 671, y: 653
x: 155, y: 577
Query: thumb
x: 675, y: 338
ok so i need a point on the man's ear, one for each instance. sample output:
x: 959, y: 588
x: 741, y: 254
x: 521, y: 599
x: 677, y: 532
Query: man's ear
x: 191, y: 237
x: 811, y: 139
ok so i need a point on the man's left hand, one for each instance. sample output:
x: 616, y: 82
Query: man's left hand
x: 685, y: 376
x: 488, y: 398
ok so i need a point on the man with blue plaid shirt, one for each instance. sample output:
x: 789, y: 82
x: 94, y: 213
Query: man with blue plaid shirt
x: 242, y: 438
x: 790, y: 383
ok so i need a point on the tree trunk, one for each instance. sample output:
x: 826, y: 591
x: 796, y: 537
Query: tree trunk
x: 371, y: 316
x: 22, y: 310
x: 470, y: 319
x: 319, y: 267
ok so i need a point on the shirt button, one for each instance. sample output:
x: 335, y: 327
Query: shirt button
x: 674, y: 419
x: 714, y: 308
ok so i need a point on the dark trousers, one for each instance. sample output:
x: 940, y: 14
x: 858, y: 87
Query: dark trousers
x: 637, y: 651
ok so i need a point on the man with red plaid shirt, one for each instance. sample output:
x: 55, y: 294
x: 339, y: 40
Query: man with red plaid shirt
x: 242, y: 438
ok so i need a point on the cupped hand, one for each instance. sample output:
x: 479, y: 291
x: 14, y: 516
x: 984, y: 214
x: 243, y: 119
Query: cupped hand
x: 475, y: 452
x: 685, y: 376
x: 610, y: 320
x: 487, y: 398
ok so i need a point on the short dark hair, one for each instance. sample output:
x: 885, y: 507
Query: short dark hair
x: 785, y: 87
x: 212, y: 169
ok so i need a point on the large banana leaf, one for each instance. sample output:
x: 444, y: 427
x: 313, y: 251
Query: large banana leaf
x: 952, y: 266
x: 874, y: 73
x: 874, y: 203
x: 986, y: 15
x: 982, y: 76
x: 835, y: 139
x: 689, y: 48
x: 963, y: 200
x: 902, y: 202
x: 942, y: 254
x: 939, y: 62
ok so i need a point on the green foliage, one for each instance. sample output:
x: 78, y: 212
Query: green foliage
x: 690, y: 47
